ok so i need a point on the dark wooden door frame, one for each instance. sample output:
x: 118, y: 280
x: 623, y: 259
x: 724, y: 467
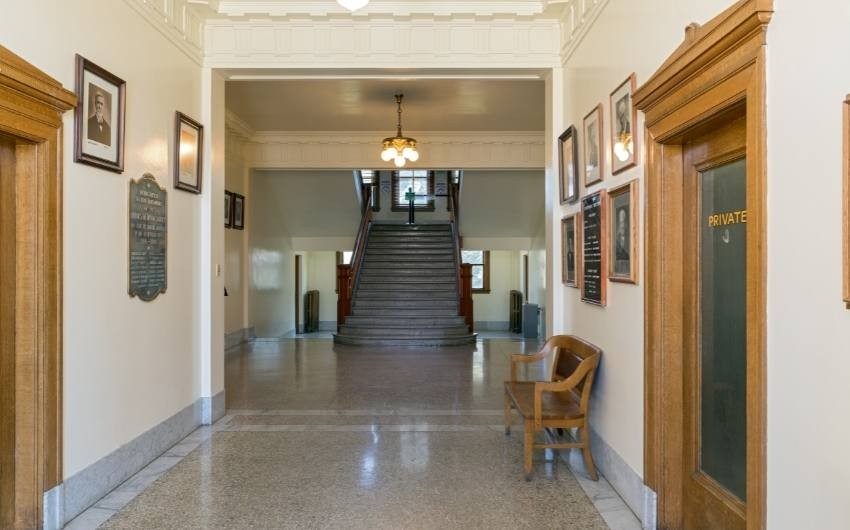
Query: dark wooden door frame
x: 297, y: 293
x: 719, y: 67
x: 31, y: 108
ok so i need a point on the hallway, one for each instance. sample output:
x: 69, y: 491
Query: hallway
x: 318, y: 435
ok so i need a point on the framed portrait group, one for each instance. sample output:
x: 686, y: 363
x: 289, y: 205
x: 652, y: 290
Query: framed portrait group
x: 600, y: 242
x: 99, y: 124
x: 234, y: 210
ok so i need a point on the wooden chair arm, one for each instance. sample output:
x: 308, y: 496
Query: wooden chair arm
x: 523, y: 358
x: 563, y: 385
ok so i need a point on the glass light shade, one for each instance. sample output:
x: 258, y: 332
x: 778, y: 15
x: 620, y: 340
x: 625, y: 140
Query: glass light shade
x: 388, y: 154
x: 413, y: 156
x: 400, y: 161
x: 352, y: 5
x: 406, y: 152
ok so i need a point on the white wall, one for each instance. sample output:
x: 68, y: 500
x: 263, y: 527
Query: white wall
x: 504, y: 277
x: 128, y: 364
x: 235, y: 241
x: 321, y: 276
x: 596, y: 68
x: 808, y: 327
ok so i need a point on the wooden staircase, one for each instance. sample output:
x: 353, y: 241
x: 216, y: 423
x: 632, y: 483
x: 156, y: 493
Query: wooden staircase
x: 406, y: 292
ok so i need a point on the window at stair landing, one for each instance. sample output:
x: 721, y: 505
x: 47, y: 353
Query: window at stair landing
x: 371, y: 178
x: 480, y: 261
x: 422, y: 182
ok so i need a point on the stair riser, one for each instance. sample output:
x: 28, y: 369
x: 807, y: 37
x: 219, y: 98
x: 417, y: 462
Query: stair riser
x: 403, y: 333
x: 405, y: 343
x: 401, y: 322
x: 412, y: 279
x: 405, y: 304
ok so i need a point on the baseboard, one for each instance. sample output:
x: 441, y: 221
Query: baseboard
x: 235, y: 338
x: 89, y: 485
x: 628, y: 484
x: 491, y: 325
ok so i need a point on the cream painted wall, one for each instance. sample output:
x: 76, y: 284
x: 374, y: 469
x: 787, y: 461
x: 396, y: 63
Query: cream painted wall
x: 235, y: 241
x: 271, y: 283
x: 808, y: 327
x: 321, y: 276
x: 128, y: 365
x: 598, y: 66
x: 504, y: 277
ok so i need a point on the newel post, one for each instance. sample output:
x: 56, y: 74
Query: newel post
x: 466, y: 294
x: 343, y: 287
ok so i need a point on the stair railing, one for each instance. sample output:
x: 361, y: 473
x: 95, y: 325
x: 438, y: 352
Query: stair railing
x: 348, y: 274
x: 464, y: 270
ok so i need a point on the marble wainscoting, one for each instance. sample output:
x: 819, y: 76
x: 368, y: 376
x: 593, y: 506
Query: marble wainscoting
x: 235, y: 338
x: 87, y: 487
x: 639, y: 499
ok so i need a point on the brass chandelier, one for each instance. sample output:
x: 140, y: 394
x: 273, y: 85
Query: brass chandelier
x: 399, y: 148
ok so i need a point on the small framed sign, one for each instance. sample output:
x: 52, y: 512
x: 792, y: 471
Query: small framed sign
x: 238, y: 217
x: 568, y: 165
x: 594, y: 283
x: 189, y: 142
x: 99, y: 117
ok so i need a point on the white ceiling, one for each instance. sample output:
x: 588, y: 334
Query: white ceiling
x: 504, y: 203
x: 368, y: 104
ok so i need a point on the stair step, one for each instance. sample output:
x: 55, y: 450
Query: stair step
x: 414, y: 289
x: 383, y: 264
x: 420, y: 342
x: 405, y: 304
x: 403, y: 312
x: 410, y: 244
x: 392, y: 321
x: 407, y: 278
x: 413, y: 253
x: 451, y: 331
x: 425, y: 227
x: 392, y: 296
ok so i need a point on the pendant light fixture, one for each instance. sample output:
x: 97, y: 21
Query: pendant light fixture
x: 352, y: 5
x: 399, y: 148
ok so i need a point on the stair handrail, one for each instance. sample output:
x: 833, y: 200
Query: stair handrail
x: 348, y: 275
x: 463, y: 273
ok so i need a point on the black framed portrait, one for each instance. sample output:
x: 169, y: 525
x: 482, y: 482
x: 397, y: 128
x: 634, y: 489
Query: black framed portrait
x: 228, y: 209
x: 569, y: 250
x: 238, y: 217
x: 99, y: 117
x: 189, y: 142
x: 568, y: 165
x: 623, y: 209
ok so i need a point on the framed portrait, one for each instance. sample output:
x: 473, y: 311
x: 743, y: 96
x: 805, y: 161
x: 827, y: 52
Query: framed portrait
x: 624, y: 137
x: 568, y: 165
x: 569, y: 250
x: 99, y: 117
x: 188, y: 142
x: 624, y: 222
x: 593, y: 142
x: 846, y: 201
x: 238, y: 216
x: 228, y: 209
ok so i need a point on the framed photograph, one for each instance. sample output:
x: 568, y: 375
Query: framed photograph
x: 593, y: 142
x: 594, y: 248
x: 624, y: 137
x: 847, y: 201
x: 228, y: 209
x: 238, y: 217
x: 569, y: 251
x: 624, y: 222
x: 99, y: 117
x: 568, y: 165
x: 188, y: 142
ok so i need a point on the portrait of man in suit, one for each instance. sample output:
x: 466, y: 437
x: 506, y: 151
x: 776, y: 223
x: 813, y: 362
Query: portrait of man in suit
x: 622, y: 244
x: 100, y: 110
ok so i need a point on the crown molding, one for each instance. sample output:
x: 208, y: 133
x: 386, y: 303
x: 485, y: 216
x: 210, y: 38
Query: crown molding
x: 235, y: 124
x: 178, y: 21
x: 361, y: 149
x: 577, y: 18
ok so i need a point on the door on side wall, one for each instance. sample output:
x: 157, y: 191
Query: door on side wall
x: 714, y: 355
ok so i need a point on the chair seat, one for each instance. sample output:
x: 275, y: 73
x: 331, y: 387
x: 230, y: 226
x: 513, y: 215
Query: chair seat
x: 555, y: 405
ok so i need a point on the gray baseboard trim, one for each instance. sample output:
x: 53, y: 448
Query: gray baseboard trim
x: 327, y: 325
x: 491, y: 325
x: 235, y: 338
x: 628, y: 484
x: 212, y: 408
x: 89, y: 485
x: 53, y: 509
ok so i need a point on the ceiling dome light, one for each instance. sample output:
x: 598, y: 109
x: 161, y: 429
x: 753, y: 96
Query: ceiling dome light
x: 352, y: 5
x: 399, y: 148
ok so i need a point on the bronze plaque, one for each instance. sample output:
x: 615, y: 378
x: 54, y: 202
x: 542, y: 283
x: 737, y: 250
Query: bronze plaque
x: 594, y: 248
x: 148, y: 266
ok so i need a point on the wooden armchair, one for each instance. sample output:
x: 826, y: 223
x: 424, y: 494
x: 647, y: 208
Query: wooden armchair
x: 562, y: 402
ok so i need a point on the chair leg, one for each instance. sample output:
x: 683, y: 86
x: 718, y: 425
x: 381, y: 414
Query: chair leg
x: 529, y: 448
x: 507, y: 414
x: 585, y: 450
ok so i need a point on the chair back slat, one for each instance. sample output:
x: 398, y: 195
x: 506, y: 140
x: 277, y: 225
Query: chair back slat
x: 570, y: 352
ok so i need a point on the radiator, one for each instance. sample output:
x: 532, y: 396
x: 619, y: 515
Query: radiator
x: 516, y: 312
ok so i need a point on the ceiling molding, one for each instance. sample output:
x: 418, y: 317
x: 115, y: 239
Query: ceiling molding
x: 576, y: 20
x: 178, y: 21
x: 237, y: 125
x: 439, y: 149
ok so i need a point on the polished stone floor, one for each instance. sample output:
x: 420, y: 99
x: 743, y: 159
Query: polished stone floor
x: 323, y: 436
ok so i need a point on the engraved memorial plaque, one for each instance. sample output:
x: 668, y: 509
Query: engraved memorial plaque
x: 148, y: 266
x: 594, y: 248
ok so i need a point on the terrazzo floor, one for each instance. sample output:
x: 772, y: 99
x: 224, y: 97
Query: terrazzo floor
x: 323, y: 436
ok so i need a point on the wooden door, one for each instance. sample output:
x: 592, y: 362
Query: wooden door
x: 298, y: 294
x: 714, y: 325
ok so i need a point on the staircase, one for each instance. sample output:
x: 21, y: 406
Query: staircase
x: 407, y: 292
